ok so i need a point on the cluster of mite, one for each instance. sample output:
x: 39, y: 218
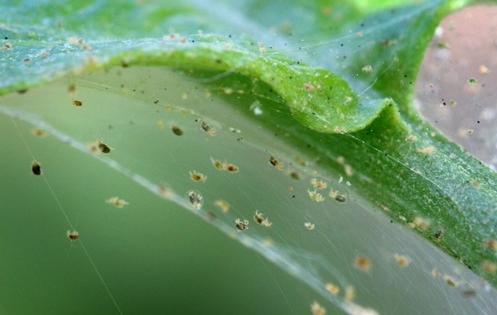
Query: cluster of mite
x: 361, y: 262
x: 196, y: 199
x: 96, y: 147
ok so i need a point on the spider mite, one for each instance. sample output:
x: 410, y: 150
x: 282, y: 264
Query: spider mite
x: 195, y: 199
x: 118, y: 202
x: 259, y: 218
x: 197, y: 177
x: 103, y: 147
x: 72, y: 235
x: 337, y: 196
x: 217, y: 164
x: 274, y: 162
x: 317, y: 197
x: 211, y: 131
x: 401, y: 260
x: 241, y: 225
x: 176, y: 130
x: 310, y: 226
x: 318, y: 184
x: 231, y: 167
x: 317, y: 309
x: 36, y: 168
x: 38, y: 132
x: 332, y: 288
x: 363, y: 263
x: 224, y: 166
x: 223, y: 205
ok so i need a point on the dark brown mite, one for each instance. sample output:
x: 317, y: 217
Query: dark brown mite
x: 205, y: 126
x: 211, y: 131
x: 103, y: 147
x: 36, y: 168
x: 273, y: 161
x: 232, y: 168
x: 241, y: 225
x: 77, y: 103
x: 258, y: 219
x: 340, y: 198
x: 177, y: 130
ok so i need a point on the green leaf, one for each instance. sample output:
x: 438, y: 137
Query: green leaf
x: 230, y: 81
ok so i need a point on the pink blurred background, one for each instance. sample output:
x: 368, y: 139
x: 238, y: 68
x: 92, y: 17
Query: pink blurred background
x: 464, y: 48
